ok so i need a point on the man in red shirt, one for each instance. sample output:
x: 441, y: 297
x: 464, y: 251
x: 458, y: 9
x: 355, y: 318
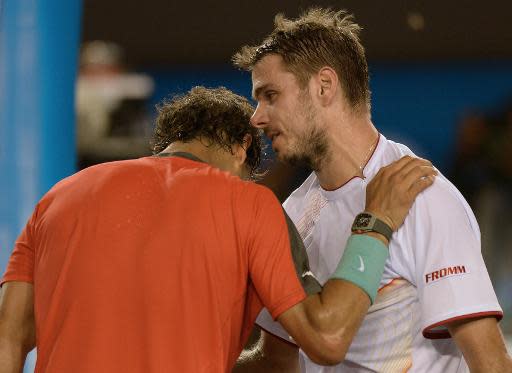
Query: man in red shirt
x: 161, y: 264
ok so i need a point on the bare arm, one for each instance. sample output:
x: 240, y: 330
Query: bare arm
x: 328, y: 321
x: 482, y: 345
x: 17, y: 329
x: 324, y: 324
x: 271, y: 355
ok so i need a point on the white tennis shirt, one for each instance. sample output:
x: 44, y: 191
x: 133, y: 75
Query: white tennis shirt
x: 435, y: 273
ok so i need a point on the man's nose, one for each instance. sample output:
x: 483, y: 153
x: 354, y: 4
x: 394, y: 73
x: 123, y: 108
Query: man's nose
x: 259, y: 117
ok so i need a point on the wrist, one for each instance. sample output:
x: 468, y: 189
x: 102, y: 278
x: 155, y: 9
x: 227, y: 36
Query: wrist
x: 383, y: 217
x: 377, y: 235
x: 368, y: 221
x: 363, y: 263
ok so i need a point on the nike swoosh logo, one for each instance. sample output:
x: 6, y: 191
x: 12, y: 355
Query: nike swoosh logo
x: 361, y: 264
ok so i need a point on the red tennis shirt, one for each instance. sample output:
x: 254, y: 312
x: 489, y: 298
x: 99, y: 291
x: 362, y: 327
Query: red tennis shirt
x: 159, y: 264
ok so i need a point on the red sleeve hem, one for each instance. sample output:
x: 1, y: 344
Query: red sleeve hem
x: 16, y: 278
x: 287, y: 303
x: 281, y: 338
x: 443, y: 334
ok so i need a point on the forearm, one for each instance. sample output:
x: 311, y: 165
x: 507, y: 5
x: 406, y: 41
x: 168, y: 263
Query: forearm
x: 12, y: 356
x: 339, y: 317
x: 329, y: 320
x: 332, y: 320
x: 17, y: 330
x: 331, y: 314
x: 335, y: 316
x: 482, y: 345
x: 337, y: 312
x: 324, y: 324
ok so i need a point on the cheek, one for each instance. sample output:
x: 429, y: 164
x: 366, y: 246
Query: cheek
x: 297, y: 124
x: 288, y: 118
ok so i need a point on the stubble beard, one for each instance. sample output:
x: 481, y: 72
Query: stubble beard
x: 311, y: 147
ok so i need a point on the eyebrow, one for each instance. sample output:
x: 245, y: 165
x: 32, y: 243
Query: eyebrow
x: 258, y: 91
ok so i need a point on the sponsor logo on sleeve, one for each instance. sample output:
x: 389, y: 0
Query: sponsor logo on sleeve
x: 446, y: 272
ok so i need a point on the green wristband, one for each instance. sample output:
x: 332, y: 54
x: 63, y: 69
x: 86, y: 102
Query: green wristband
x: 362, y: 263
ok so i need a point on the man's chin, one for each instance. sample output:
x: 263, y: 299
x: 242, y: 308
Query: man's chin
x: 287, y: 159
x: 282, y: 156
x: 291, y: 160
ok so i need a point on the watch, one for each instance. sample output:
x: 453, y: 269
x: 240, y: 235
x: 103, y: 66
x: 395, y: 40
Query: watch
x: 367, y: 222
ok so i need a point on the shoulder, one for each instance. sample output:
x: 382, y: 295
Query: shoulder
x: 439, y: 229
x: 444, y: 201
x: 440, y: 203
x: 440, y: 214
x: 81, y: 184
x: 393, y: 151
x: 95, y: 174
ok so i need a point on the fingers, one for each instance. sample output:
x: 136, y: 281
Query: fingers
x: 405, y: 164
x: 395, y: 187
x: 417, y: 172
x: 394, y: 172
x: 415, y: 163
x: 415, y: 176
x: 421, y: 184
x: 397, y: 165
x: 407, y: 171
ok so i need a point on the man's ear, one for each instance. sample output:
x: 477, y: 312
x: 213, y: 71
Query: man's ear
x: 326, y: 85
x: 241, y: 150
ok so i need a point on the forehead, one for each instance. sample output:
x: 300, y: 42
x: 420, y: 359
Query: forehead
x: 270, y: 71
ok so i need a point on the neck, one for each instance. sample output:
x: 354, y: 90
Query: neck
x: 352, y: 142
x: 194, y: 147
x: 214, y: 155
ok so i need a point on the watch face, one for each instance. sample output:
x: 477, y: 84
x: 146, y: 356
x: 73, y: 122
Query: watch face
x: 363, y: 220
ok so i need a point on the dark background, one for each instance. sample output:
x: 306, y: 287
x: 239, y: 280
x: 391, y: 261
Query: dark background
x: 159, y: 32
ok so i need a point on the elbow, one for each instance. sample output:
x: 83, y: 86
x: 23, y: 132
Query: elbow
x: 328, y: 351
x: 326, y: 360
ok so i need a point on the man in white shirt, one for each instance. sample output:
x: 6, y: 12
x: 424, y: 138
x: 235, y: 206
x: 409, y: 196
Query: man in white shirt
x: 436, y: 310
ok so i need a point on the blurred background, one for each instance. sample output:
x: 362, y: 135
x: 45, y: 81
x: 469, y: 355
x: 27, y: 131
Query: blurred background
x: 79, y: 81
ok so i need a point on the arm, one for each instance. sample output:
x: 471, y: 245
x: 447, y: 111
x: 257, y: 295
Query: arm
x: 271, y: 354
x: 17, y: 329
x: 324, y: 324
x: 482, y: 345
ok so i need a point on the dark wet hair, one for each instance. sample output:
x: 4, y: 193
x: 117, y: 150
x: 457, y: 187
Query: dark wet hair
x: 216, y: 115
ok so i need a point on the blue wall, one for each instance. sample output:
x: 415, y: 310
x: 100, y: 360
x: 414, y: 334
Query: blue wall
x: 38, y: 61
x: 421, y: 105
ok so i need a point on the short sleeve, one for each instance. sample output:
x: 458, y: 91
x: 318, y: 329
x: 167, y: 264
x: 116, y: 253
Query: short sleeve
x: 267, y: 323
x: 271, y: 267
x: 301, y: 260
x: 21, y: 262
x: 450, y: 273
